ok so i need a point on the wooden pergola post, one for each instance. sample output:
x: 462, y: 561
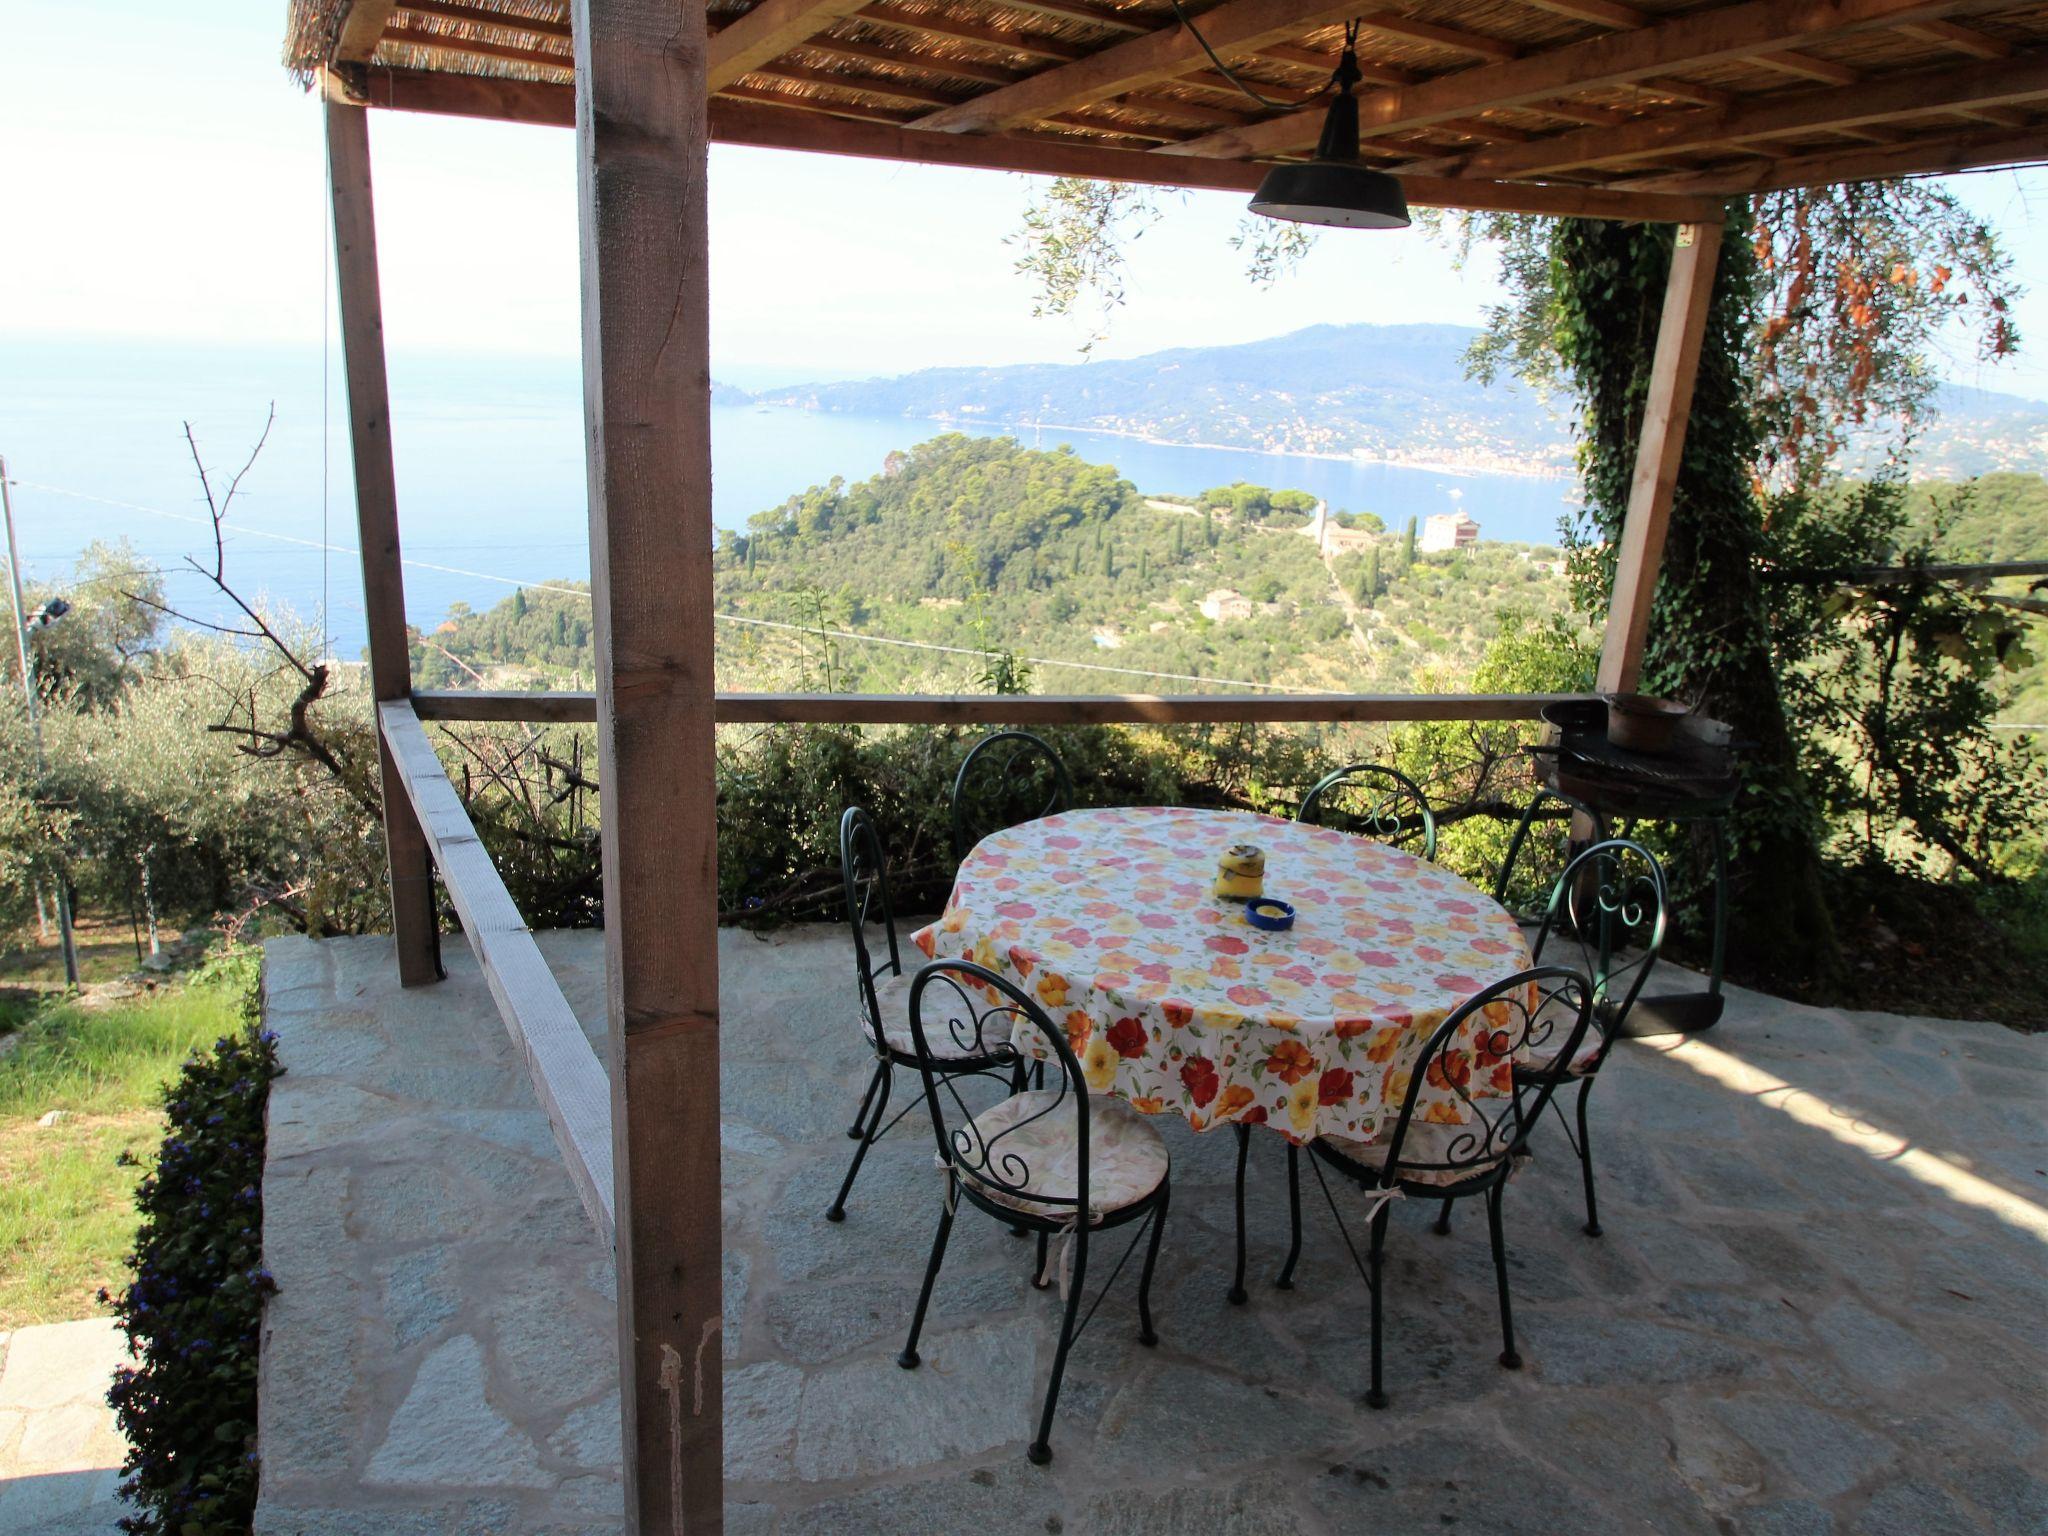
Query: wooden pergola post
x: 1673, y: 371
x: 641, y: 147
x: 369, y: 423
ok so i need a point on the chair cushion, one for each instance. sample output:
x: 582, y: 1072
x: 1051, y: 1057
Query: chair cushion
x: 1537, y: 1058
x: 1126, y: 1158
x: 1425, y: 1143
x: 892, y: 995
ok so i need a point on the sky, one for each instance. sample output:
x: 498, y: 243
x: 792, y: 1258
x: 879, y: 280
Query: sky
x: 164, y: 179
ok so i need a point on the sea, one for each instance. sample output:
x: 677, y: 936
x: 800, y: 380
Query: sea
x: 490, y: 470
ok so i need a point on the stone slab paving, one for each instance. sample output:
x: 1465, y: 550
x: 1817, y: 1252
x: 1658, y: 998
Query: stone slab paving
x: 1818, y: 1306
x: 60, y: 1448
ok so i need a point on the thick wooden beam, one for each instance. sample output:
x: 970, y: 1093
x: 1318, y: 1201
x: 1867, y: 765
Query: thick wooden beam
x: 992, y: 709
x: 1880, y: 162
x: 1234, y: 27
x: 1674, y: 369
x: 568, y: 1079
x: 1979, y: 45
x: 766, y: 33
x: 362, y: 28
x: 1702, y: 37
x: 369, y: 422
x: 1904, y: 95
x: 765, y: 127
x: 769, y: 128
x: 642, y: 159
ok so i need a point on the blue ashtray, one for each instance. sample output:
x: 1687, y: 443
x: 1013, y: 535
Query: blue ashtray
x: 1270, y: 914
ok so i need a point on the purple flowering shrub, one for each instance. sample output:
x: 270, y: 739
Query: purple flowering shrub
x: 193, y: 1308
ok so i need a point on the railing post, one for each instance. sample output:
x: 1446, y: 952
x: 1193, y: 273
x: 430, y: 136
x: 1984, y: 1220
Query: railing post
x: 641, y: 148
x: 369, y: 422
x: 1681, y: 329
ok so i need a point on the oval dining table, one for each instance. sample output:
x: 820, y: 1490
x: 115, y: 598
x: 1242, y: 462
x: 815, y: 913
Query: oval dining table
x: 1173, y: 1001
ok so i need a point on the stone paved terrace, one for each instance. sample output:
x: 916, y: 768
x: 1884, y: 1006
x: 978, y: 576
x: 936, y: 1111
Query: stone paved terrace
x: 1813, y: 1312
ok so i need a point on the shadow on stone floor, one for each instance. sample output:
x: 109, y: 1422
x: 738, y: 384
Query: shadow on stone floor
x: 1779, y: 1333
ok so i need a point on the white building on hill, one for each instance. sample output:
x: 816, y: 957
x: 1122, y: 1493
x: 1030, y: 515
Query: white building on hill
x: 1447, y: 530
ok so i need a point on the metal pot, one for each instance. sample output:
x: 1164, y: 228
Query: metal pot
x: 1638, y: 723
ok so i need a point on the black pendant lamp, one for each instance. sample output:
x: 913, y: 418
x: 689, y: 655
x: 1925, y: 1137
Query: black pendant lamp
x: 1335, y: 188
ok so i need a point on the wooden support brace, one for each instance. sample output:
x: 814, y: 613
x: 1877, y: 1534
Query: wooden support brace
x: 1673, y: 371
x: 369, y: 423
x: 642, y: 146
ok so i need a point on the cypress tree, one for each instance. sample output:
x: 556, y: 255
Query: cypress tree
x: 1372, y: 574
x: 1408, y: 545
x: 1180, y: 549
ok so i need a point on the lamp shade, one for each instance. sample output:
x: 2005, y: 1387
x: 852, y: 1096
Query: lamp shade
x: 1338, y: 192
x: 1335, y: 187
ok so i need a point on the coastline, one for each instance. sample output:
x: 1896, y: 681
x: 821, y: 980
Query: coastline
x: 1517, y: 468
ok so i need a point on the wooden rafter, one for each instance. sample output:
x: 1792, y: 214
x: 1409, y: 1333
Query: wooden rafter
x: 1236, y: 26
x: 766, y: 33
x: 1612, y: 59
x: 939, y: 24
x: 478, y: 47
x: 1967, y: 152
x: 362, y: 28
x: 1966, y: 86
x: 484, y: 16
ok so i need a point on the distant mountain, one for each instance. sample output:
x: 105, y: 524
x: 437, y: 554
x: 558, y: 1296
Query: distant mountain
x: 1394, y: 392
x: 1397, y: 393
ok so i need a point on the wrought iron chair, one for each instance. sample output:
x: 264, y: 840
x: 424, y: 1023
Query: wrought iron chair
x: 1373, y: 801
x: 1055, y: 1161
x: 1008, y: 777
x: 1425, y: 1159
x: 884, y: 994
x: 1609, y: 904
x: 1531, y: 814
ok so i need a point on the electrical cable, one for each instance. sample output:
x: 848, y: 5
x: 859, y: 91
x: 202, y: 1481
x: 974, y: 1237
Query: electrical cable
x: 1223, y: 69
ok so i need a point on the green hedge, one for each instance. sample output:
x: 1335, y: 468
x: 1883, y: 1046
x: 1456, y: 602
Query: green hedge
x: 193, y: 1308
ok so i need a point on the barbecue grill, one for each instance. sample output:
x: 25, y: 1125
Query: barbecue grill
x: 1695, y: 781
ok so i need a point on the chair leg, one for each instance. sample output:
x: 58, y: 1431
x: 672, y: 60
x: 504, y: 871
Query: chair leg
x: 1442, y: 1226
x: 1039, y: 1280
x: 867, y: 1139
x: 1586, y: 1160
x: 858, y: 1129
x: 1376, y: 1396
x: 1146, y: 1335
x: 1244, y: 1147
x: 1286, y: 1280
x: 1508, y: 1355
x: 1040, y: 1451
x: 909, y: 1358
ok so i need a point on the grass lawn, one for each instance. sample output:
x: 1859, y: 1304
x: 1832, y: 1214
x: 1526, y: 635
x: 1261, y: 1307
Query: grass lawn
x: 67, y: 1210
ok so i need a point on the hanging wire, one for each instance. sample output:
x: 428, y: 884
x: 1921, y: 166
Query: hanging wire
x: 1223, y: 69
x: 326, y: 429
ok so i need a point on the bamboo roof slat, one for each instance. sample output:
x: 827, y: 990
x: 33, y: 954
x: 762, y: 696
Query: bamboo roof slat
x: 1629, y: 96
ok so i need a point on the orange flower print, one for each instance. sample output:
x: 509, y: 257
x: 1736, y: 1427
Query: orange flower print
x: 926, y: 941
x: 1290, y: 1061
x: 1394, y: 1087
x: 1352, y: 1027
x: 1443, y: 1112
x: 1383, y: 1044
x: 1335, y: 1086
x: 1198, y: 1074
x: 1449, y: 1070
x: 1178, y: 1014
x: 1148, y: 1106
x: 1052, y: 990
x: 1256, y: 1115
x: 1128, y: 1037
x: 1233, y: 1099
x: 1080, y: 1027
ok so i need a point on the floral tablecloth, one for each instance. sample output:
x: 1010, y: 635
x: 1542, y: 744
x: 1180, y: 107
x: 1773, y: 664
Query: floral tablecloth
x: 1175, y: 1003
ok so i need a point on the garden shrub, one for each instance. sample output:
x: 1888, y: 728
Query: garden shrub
x: 193, y: 1308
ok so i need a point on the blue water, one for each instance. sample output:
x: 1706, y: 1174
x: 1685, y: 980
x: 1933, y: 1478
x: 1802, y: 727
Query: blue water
x: 490, y: 470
